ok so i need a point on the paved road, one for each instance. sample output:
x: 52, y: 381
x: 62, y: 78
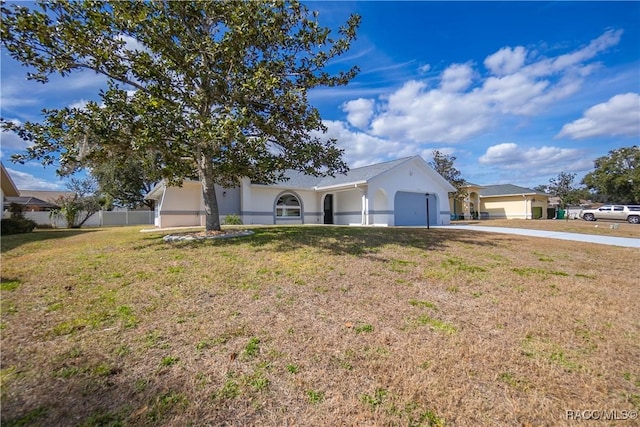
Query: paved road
x: 626, y: 242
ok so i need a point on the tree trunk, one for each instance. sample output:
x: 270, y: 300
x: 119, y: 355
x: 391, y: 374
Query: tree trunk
x: 207, y: 179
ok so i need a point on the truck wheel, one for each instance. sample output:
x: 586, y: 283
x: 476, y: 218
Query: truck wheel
x: 588, y: 217
x: 633, y: 219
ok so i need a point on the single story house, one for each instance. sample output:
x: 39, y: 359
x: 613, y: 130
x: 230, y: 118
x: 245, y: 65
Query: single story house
x: 402, y: 192
x: 7, y: 187
x: 503, y: 201
x: 38, y: 200
x: 32, y: 204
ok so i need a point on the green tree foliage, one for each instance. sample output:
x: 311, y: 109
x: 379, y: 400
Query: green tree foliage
x: 215, y: 89
x: 616, y: 177
x: 564, y: 188
x: 127, y: 180
x: 444, y: 165
x: 77, y: 208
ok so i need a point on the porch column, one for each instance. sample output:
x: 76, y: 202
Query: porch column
x: 467, y: 207
x: 365, y: 208
x: 526, y: 210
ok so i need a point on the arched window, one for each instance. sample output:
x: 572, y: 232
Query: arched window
x: 288, y: 206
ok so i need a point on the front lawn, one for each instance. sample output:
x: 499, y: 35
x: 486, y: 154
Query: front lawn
x: 315, y: 326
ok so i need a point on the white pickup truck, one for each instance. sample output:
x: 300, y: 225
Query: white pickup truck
x: 613, y: 212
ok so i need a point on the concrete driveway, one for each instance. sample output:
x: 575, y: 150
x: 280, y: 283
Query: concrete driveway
x: 626, y: 242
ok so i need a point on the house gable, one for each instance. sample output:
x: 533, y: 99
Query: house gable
x: 7, y: 187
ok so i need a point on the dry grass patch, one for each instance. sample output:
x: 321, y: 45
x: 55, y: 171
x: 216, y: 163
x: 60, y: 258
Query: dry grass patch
x: 315, y: 326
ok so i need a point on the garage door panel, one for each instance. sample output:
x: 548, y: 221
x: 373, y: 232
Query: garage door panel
x: 410, y: 209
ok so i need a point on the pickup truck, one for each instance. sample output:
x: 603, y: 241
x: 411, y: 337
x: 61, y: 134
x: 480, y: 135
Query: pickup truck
x: 613, y: 212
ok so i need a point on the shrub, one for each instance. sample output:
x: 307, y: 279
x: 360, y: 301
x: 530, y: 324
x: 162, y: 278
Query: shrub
x: 17, y: 225
x: 232, y: 220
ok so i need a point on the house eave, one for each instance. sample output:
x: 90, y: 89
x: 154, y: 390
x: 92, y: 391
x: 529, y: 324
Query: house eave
x: 513, y: 195
x: 345, y: 186
x: 156, y: 192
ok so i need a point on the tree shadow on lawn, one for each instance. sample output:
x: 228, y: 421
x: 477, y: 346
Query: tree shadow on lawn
x: 351, y: 240
x: 13, y: 241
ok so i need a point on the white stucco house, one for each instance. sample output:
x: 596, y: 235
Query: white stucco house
x: 393, y: 193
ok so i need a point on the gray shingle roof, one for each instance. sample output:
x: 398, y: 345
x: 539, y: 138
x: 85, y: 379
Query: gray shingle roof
x: 29, y: 201
x: 506, y: 190
x: 299, y: 180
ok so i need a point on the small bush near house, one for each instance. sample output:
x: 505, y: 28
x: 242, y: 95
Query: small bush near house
x: 17, y: 225
x: 232, y: 220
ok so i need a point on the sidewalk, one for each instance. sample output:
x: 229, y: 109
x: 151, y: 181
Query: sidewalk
x: 626, y: 242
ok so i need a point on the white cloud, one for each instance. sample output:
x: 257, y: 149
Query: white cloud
x: 456, y: 78
x: 79, y: 104
x: 549, y: 66
x: 423, y: 115
x: 11, y: 140
x: 540, y: 161
x: 13, y: 94
x: 463, y: 104
x: 362, y: 149
x: 132, y: 44
x: 620, y: 115
x: 506, y: 61
x: 25, y: 181
x: 359, y: 112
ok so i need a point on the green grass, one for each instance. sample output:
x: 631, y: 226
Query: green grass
x: 436, y: 324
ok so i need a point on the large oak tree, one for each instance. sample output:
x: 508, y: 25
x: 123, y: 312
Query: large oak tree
x: 214, y: 89
x: 616, y: 176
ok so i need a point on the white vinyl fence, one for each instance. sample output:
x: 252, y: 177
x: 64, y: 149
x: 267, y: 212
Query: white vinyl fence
x: 98, y: 219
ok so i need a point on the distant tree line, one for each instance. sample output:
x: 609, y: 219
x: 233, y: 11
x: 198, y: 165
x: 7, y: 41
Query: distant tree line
x: 615, y: 179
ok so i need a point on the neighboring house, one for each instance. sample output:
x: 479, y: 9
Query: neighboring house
x: 46, y: 195
x: 503, y: 201
x: 31, y: 204
x: 7, y: 187
x: 38, y: 200
x: 390, y: 193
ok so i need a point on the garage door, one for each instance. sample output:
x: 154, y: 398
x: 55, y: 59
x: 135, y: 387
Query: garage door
x: 411, y: 209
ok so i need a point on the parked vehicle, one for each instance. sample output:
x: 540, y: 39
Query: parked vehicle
x: 613, y: 212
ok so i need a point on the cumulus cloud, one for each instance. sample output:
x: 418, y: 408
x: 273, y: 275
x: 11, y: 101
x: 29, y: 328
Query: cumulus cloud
x: 359, y: 112
x: 456, y: 78
x: 463, y: 103
x: 422, y: 115
x: 620, y: 115
x: 11, y: 140
x: 539, y: 160
x: 506, y: 61
x: 132, y: 44
x: 79, y: 104
x: 361, y: 149
x: 26, y: 181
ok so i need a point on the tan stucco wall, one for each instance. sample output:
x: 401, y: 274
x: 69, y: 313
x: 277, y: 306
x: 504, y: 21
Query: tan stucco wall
x: 512, y: 207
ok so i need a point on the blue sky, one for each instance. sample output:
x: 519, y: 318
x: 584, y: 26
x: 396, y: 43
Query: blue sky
x: 517, y: 91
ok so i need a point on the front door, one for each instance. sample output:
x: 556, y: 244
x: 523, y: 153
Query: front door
x: 328, y: 209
